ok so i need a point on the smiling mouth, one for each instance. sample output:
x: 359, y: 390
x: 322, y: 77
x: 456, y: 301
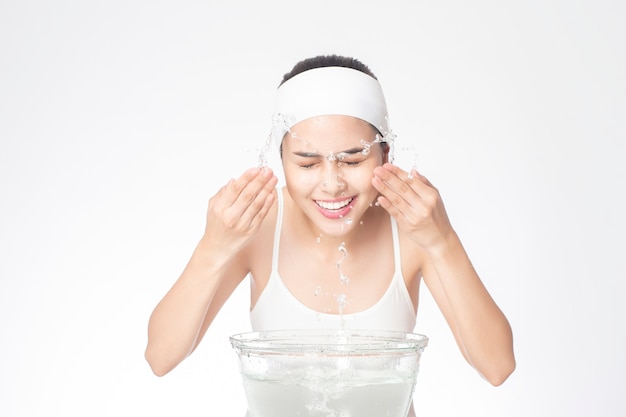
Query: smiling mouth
x: 333, y: 205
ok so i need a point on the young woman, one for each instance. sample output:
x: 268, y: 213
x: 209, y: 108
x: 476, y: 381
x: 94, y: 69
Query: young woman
x: 345, y: 244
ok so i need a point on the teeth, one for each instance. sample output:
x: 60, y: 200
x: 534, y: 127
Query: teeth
x: 333, y: 205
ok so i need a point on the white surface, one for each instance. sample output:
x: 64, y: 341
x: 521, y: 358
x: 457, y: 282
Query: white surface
x: 115, y: 122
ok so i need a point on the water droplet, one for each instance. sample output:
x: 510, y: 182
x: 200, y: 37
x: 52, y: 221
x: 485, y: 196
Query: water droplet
x: 342, y: 248
x: 262, y: 160
x: 343, y: 278
x: 341, y: 301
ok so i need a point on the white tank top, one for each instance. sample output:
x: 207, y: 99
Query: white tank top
x: 278, y: 309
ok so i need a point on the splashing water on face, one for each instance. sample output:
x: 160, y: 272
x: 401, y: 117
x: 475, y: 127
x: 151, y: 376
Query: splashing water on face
x: 283, y: 122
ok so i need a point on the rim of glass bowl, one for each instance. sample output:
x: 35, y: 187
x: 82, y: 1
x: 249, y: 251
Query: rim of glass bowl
x: 328, y: 342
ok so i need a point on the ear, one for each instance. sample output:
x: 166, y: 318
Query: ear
x: 385, y: 148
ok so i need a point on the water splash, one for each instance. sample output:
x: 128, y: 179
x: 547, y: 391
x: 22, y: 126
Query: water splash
x: 409, y: 153
x: 262, y: 161
x: 281, y: 122
x: 342, y: 277
x: 342, y: 302
x: 281, y: 125
x: 317, y: 291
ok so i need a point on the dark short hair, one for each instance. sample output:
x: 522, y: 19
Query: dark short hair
x: 322, y: 61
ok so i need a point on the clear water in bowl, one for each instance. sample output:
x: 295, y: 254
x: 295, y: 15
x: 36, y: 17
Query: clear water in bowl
x: 322, y: 373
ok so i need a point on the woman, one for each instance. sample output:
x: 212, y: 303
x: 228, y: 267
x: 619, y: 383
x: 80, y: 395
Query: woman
x: 345, y: 244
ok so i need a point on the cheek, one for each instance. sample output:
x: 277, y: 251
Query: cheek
x: 360, y: 178
x: 301, y: 179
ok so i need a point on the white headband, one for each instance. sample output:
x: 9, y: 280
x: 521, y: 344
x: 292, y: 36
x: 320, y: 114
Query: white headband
x: 325, y: 91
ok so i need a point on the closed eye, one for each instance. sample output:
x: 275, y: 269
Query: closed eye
x: 352, y: 160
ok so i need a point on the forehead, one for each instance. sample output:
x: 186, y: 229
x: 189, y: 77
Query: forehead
x: 332, y: 132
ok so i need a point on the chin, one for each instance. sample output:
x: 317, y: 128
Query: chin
x: 339, y: 227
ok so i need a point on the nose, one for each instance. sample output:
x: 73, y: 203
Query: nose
x: 332, y: 182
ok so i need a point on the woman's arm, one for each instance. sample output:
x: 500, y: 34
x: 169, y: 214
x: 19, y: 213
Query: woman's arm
x: 481, y: 330
x: 180, y: 319
x: 217, y: 266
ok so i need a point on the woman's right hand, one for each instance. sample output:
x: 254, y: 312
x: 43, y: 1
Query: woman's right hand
x: 236, y: 212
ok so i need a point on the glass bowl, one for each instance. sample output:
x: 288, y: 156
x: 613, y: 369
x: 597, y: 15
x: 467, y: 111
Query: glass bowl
x: 328, y: 373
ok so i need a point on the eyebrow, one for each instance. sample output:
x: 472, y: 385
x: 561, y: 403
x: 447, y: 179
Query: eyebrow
x: 351, y: 151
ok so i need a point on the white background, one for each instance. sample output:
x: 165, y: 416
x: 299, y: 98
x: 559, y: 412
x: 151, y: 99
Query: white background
x: 119, y: 119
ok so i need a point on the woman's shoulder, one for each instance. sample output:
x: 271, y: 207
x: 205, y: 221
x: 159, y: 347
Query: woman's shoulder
x: 264, y: 238
x: 414, y: 259
x: 258, y: 254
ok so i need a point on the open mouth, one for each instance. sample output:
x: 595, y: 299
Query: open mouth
x: 333, y: 205
x: 335, y: 209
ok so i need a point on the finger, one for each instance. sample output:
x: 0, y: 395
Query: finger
x: 228, y: 194
x: 235, y: 197
x: 262, y: 182
x: 424, y: 188
x: 395, y: 186
x: 416, y: 181
x: 257, y: 191
x: 391, y: 209
x: 393, y: 201
x: 256, y: 198
x: 396, y: 170
x: 238, y: 185
x: 422, y: 178
x: 404, y: 196
x: 257, y: 211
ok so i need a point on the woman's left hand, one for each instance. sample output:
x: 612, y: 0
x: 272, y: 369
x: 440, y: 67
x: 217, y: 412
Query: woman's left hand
x: 415, y: 204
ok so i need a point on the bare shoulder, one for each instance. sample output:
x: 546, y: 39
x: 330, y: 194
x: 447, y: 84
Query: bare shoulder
x: 259, y: 251
x: 414, y: 261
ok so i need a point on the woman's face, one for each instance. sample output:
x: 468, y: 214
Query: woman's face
x: 328, y: 163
